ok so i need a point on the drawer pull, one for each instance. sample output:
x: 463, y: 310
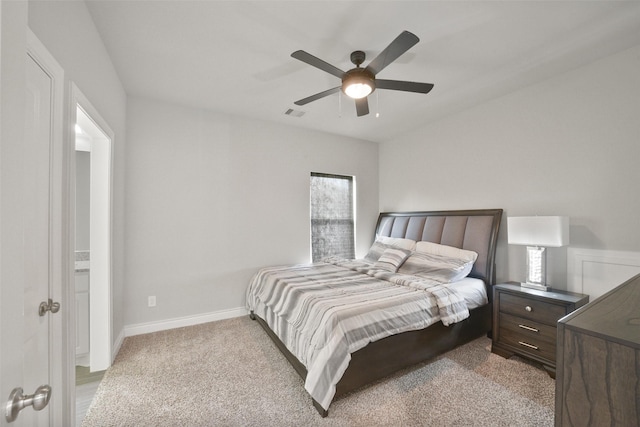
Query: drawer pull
x: 528, y: 308
x: 528, y: 328
x: 527, y: 345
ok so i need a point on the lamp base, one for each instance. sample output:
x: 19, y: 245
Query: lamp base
x: 535, y: 286
x: 536, y: 269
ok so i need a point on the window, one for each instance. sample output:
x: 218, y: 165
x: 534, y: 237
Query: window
x: 332, y: 219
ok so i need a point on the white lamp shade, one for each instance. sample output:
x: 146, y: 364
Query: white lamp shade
x: 547, y: 231
x: 358, y: 90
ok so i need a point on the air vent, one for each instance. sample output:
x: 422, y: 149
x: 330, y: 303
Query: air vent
x: 294, y: 113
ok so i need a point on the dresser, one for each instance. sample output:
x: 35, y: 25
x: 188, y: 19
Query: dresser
x: 524, y: 321
x: 598, y: 373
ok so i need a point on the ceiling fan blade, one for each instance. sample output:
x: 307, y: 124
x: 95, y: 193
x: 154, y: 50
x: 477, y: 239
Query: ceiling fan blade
x: 362, y: 106
x: 405, y: 86
x: 305, y: 57
x: 400, y: 45
x: 317, y: 96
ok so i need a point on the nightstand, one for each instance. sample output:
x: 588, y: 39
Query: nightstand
x: 524, y: 321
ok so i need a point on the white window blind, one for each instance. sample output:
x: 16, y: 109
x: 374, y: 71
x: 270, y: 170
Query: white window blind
x: 332, y: 219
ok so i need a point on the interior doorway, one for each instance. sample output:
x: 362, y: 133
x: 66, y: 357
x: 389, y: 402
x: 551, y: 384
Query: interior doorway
x: 93, y: 272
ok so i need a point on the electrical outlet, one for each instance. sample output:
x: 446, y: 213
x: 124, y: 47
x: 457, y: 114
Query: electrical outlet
x: 152, y: 301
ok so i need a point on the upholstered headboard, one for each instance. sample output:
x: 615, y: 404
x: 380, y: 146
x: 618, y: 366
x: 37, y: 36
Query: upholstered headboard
x: 475, y: 230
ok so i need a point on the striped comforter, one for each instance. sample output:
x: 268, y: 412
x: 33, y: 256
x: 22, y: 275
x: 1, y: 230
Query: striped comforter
x: 323, y: 312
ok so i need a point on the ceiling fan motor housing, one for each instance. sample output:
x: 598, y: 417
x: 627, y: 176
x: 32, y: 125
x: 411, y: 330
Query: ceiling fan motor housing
x: 358, y: 57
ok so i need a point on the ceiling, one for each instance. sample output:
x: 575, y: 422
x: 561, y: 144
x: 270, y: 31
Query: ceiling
x: 234, y: 56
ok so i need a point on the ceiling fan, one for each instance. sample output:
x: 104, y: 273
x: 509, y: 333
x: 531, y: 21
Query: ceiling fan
x: 358, y: 83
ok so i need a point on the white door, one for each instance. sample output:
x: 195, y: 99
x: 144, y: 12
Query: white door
x: 38, y: 130
x: 34, y: 242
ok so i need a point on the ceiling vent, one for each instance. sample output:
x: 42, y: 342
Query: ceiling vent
x: 294, y: 113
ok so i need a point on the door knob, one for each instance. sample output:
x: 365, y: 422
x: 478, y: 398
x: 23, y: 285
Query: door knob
x: 51, y: 306
x: 18, y: 401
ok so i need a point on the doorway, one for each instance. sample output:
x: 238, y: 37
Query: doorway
x: 93, y: 329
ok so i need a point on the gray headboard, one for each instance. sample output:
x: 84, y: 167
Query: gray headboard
x: 474, y: 230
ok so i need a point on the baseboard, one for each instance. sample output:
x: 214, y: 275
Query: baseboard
x: 116, y: 345
x: 179, y: 322
x: 82, y: 359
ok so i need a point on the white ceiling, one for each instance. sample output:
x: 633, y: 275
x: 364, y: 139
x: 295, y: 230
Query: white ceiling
x: 234, y: 56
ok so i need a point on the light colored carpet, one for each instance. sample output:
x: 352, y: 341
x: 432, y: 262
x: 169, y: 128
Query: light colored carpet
x: 229, y: 373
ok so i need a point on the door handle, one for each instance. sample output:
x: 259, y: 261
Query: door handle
x: 49, y: 305
x: 18, y: 401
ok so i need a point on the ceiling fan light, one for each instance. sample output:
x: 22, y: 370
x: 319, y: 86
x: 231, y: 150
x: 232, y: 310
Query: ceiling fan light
x: 358, y: 90
x: 358, y: 83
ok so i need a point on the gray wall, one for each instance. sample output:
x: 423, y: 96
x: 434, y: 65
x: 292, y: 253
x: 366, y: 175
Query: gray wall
x: 211, y: 198
x: 568, y: 146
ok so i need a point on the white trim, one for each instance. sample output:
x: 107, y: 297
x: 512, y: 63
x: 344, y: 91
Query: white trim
x: 82, y: 360
x: 595, y: 272
x: 101, y: 240
x: 116, y: 345
x: 179, y: 322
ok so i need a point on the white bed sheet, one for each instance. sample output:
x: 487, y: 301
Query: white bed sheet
x: 473, y: 290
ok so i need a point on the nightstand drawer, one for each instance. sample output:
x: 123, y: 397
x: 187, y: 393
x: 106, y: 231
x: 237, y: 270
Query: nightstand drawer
x: 531, y: 309
x: 528, y: 329
x: 533, y: 346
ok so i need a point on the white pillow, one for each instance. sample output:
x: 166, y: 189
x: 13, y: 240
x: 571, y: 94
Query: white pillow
x: 375, y: 251
x: 397, y: 242
x: 444, y: 250
x: 392, y: 258
x: 442, y: 268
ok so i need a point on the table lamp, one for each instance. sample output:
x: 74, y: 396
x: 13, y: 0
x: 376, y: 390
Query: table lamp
x: 537, y: 233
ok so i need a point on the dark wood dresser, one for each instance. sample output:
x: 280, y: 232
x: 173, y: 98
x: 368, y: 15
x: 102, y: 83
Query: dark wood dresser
x: 598, y: 373
x: 524, y: 321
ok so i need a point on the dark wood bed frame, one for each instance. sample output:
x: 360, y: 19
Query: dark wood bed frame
x: 475, y: 230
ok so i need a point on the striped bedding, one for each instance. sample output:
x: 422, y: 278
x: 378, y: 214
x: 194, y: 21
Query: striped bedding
x: 323, y: 312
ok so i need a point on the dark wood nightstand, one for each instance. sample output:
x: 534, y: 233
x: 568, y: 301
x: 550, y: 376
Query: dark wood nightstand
x: 524, y: 321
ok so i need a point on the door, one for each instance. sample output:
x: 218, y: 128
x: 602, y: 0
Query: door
x: 33, y: 247
x: 37, y: 150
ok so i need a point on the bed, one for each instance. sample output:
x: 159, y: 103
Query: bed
x: 422, y: 315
